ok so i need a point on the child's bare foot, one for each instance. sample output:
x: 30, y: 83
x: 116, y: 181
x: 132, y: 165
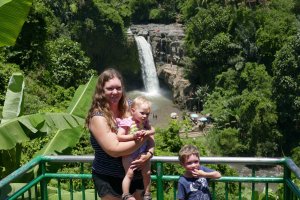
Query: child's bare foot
x: 127, y: 196
x: 147, y: 196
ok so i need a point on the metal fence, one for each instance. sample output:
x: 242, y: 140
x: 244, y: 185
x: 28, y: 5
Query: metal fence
x: 50, y: 184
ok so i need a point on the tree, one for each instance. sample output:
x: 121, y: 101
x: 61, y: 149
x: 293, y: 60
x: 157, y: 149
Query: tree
x: 66, y: 62
x: 201, y: 94
x: 277, y: 26
x: 241, y: 103
x: 208, y: 44
x: 141, y: 10
x: 286, y: 91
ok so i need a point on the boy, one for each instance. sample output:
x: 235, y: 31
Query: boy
x: 193, y: 184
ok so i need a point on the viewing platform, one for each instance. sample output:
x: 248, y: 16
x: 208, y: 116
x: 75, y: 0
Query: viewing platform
x: 50, y: 184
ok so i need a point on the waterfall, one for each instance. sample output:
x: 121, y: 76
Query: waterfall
x: 149, y: 73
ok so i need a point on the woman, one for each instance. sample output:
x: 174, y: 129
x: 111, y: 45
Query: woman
x: 109, y: 102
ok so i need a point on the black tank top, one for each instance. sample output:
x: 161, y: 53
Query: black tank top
x: 104, y: 163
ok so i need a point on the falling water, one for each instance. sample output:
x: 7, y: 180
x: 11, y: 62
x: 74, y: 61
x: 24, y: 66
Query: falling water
x: 148, y: 67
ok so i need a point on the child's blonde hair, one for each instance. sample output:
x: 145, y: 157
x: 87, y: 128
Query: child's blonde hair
x: 186, y: 151
x: 141, y: 100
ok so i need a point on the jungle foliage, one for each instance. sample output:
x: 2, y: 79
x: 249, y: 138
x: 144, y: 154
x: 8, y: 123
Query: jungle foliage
x: 247, y: 55
x: 244, y: 66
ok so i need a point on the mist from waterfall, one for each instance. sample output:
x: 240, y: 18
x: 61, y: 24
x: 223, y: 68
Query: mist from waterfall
x: 149, y: 73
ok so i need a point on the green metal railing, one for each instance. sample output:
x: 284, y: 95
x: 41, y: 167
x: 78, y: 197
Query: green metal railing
x: 39, y: 187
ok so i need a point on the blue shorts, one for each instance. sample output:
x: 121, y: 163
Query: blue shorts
x: 105, y: 185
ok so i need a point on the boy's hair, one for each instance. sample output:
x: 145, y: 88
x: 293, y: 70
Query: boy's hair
x: 186, y: 151
x: 140, y: 100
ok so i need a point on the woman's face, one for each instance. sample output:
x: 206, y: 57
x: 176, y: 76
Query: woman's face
x: 113, y: 90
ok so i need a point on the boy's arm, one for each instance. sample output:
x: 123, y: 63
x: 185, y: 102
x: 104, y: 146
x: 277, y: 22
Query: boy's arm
x: 123, y: 137
x: 201, y: 173
x: 206, y: 174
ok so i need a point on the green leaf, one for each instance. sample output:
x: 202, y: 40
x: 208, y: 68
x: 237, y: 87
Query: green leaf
x: 19, y: 129
x: 14, y: 98
x: 13, y: 14
x: 67, y: 127
x: 82, y: 99
x: 66, y: 138
x: 62, y: 140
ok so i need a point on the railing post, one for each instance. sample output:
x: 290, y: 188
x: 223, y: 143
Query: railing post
x: 287, y: 176
x: 174, y: 189
x: 82, y: 181
x: 42, y: 169
x: 159, y: 174
x: 253, y: 184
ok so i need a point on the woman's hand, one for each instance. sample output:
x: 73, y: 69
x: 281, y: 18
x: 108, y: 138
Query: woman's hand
x: 139, y: 162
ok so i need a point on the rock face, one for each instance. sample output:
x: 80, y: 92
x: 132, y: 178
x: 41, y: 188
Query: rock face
x: 166, y: 41
x: 173, y: 76
x: 167, y: 48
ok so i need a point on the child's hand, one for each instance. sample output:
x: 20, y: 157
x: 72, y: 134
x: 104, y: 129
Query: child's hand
x: 198, y: 173
x: 139, y: 134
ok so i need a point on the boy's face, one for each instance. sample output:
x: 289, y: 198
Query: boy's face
x: 191, y: 163
x: 140, y: 112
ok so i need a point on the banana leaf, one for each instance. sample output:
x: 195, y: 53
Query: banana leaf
x: 82, y: 99
x: 13, y: 14
x: 16, y: 131
x: 66, y: 128
x: 13, y: 104
x: 21, y: 129
x: 62, y: 141
x: 78, y: 107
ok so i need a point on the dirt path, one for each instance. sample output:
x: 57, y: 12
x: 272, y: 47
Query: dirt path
x: 191, y: 134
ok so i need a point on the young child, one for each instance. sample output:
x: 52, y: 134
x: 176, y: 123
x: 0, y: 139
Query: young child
x: 133, y: 128
x: 193, y: 184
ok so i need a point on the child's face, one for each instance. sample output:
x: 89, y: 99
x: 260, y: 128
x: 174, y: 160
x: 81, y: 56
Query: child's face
x: 140, y: 113
x: 191, y: 163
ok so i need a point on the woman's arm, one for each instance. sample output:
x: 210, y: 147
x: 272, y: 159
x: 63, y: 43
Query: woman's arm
x: 151, y: 131
x: 108, y: 140
x: 140, y: 161
x: 151, y: 145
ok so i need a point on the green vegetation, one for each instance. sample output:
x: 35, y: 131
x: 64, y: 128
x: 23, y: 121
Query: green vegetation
x: 13, y: 14
x: 247, y: 56
x: 242, y: 59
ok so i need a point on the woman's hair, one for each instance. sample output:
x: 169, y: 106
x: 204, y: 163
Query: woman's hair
x: 100, y: 103
x: 186, y: 151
